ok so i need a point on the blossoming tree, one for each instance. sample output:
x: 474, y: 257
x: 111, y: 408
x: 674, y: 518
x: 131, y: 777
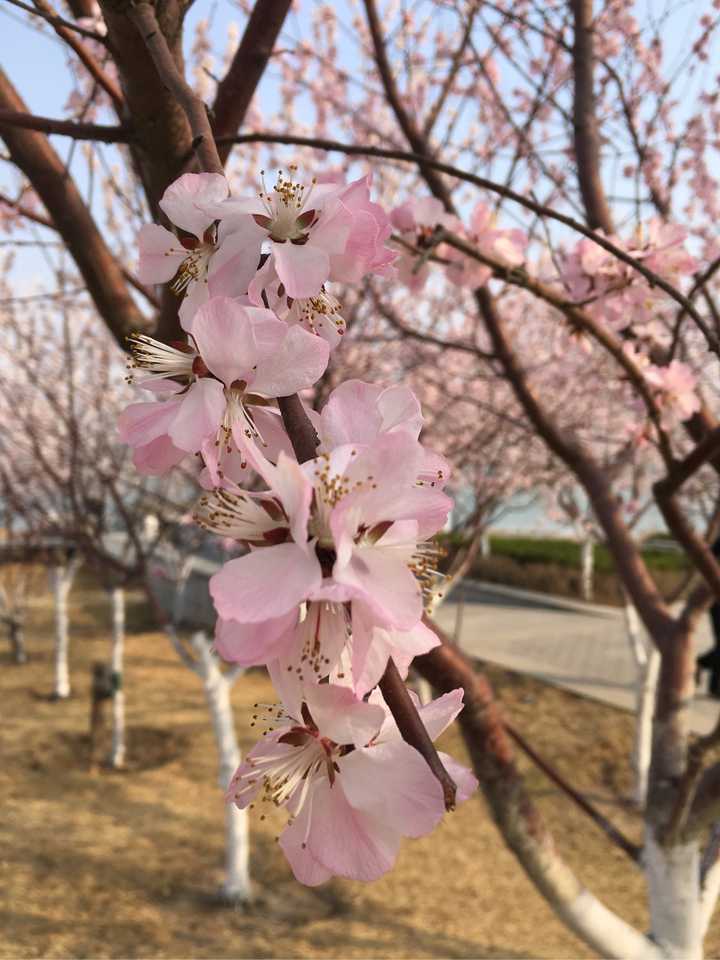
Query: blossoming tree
x: 575, y: 267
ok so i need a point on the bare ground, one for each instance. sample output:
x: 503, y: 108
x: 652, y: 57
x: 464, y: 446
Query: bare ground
x: 127, y: 864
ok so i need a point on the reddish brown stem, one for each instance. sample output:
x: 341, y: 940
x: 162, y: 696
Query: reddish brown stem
x: 609, y: 829
x: 297, y: 423
x: 413, y: 730
x: 83, y: 54
x: 587, y: 136
x: 97, y: 132
x: 236, y: 89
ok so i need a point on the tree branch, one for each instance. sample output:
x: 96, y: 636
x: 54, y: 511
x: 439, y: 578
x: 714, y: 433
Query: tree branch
x: 631, y: 566
x: 102, y: 133
x: 585, y: 129
x: 67, y: 33
x: 519, y: 821
x: 143, y: 16
x: 541, y: 210
x: 102, y: 274
x: 412, y: 134
x: 610, y: 830
x: 237, y: 88
x: 665, y: 489
x: 60, y: 21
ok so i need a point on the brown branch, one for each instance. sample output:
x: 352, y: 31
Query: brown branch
x: 67, y: 33
x: 455, y: 65
x: 585, y: 128
x: 82, y: 8
x: 413, y: 730
x: 237, y: 88
x: 59, y: 21
x: 100, y: 270
x: 396, y: 323
x: 579, y: 319
x: 29, y: 214
x: 661, y: 205
x: 302, y: 434
x: 412, y: 134
x: 143, y: 16
x: 665, y: 490
x: 609, y: 829
x: 162, y: 133
x: 631, y: 566
x: 66, y: 128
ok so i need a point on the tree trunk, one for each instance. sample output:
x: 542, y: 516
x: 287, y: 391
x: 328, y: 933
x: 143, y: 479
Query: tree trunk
x: 17, y: 641
x: 647, y: 672
x: 485, y: 545
x: 117, y: 750
x: 217, y: 686
x: 676, y: 915
x: 646, y: 693
x: 61, y: 578
x: 587, y: 567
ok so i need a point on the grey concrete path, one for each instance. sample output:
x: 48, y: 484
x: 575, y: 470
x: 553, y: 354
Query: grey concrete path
x: 582, y: 648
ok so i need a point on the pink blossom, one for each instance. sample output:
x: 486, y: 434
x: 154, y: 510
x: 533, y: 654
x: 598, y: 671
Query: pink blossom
x: 351, y: 525
x: 416, y: 220
x: 304, y: 227
x: 336, y: 639
x: 315, y: 234
x: 206, y: 260
x: 677, y: 390
x: 320, y: 314
x: 366, y: 251
x: 507, y: 246
x: 351, y: 785
x: 359, y: 413
x: 240, y: 353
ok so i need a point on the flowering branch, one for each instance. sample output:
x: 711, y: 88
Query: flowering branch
x: 665, y: 491
x: 421, y: 160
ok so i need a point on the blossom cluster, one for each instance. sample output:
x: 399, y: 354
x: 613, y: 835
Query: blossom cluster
x: 419, y: 224
x: 339, y: 561
x: 608, y: 289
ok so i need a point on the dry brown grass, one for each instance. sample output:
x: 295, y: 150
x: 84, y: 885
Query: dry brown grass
x: 126, y: 864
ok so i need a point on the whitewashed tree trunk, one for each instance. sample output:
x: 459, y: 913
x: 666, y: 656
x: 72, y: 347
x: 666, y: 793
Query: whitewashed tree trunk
x: 646, y: 692
x: 217, y: 686
x: 61, y: 579
x: 676, y: 909
x: 485, y: 545
x: 587, y: 567
x: 710, y: 886
x: 17, y: 641
x: 117, y: 750
x: 647, y: 672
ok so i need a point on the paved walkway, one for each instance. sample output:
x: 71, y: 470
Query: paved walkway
x: 583, y: 648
